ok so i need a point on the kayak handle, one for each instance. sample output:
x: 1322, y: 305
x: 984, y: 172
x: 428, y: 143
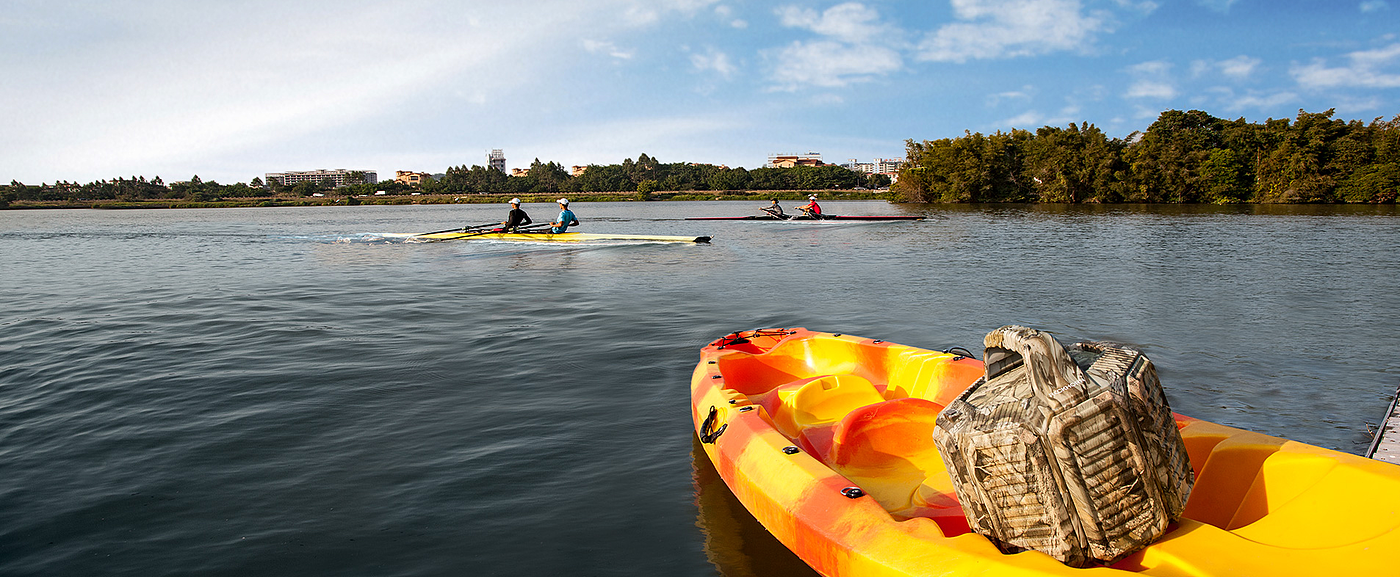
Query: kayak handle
x: 708, y: 433
x: 960, y: 352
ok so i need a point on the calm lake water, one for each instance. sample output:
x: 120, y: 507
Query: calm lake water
x: 288, y: 391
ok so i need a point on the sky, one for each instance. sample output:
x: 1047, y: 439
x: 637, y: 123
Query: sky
x: 230, y: 90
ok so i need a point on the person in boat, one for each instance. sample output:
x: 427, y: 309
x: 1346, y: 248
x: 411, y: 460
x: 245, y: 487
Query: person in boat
x: 515, y: 219
x: 774, y: 210
x: 565, y: 220
x: 811, y: 209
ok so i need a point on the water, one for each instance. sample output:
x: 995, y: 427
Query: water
x: 287, y: 391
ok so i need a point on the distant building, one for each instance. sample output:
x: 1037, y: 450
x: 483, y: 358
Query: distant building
x: 577, y: 170
x: 496, y: 159
x: 340, y: 177
x: 780, y: 160
x: 520, y: 172
x: 411, y: 178
x: 889, y: 166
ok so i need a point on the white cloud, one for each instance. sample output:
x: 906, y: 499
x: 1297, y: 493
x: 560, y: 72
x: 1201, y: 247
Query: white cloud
x: 1024, y: 94
x: 1237, y: 68
x: 714, y: 60
x: 850, y: 22
x: 1217, y: 5
x: 1240, y: 67
x: 855, y: 46
x: 1151, y: 80
x: 1373, y: 6
x: 1265, y: 101
x: 1367, y: 69
x: 1011, y: 28
x: 831, y: 64
x: 727, y: 13
x: 604, y: 47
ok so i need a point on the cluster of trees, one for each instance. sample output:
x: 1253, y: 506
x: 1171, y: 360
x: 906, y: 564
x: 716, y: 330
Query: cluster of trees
x: 643, y: 176
x: 647, y: 174
x: 1183, y: 157
x: 130, y: 189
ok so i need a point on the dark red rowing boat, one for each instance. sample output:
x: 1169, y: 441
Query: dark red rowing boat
x: 805, y: 217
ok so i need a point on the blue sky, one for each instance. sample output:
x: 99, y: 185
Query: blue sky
x: 230, y: 90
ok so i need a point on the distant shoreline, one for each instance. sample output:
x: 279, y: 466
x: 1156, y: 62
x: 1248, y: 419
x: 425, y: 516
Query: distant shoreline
x: 408, y: 199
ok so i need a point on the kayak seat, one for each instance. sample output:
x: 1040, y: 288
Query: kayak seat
x: 823, y: 401
x: 752, y: 375
x: 888, y: 450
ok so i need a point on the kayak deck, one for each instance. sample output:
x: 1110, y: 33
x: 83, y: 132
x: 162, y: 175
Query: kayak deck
x: 792, y: 418
x: 560, y: 237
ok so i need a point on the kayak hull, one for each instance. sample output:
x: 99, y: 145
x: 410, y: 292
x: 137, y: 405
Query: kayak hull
x: 804, y: 217
x: 560, y: 237
x: 1261, y: 505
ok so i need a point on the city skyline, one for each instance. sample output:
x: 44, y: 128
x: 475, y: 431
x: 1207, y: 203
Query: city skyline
x: 231, y: 92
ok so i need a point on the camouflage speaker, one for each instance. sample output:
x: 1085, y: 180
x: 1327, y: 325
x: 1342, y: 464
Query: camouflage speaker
x: 1071, y: 452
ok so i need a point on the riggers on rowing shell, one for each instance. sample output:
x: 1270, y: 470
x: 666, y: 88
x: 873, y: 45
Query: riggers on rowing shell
x: 1073, y: 453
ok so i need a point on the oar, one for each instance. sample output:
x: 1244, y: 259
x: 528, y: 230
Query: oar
x: 461, y: 228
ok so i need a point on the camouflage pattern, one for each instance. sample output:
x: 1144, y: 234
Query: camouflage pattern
x: 1071, y: 452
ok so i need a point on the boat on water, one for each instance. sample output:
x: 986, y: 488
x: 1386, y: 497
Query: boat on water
x: 827, y: 440
x: 824, y: 217
x: 546, y: 236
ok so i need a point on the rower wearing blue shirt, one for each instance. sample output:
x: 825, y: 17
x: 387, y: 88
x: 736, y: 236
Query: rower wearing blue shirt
x: 566, y: 218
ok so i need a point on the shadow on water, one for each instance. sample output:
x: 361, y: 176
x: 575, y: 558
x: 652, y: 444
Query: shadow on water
x: 735, y: 542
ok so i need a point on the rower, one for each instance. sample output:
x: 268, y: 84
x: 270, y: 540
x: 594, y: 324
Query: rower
x: 774, y: 210
x: 811, y: 209
x: 565, y: 220
x: 516, y: 218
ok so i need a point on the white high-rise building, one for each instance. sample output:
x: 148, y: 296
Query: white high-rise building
x: 496, y: 160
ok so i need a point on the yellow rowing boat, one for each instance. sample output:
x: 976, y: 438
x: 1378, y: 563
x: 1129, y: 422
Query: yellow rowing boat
x: 560, y: 237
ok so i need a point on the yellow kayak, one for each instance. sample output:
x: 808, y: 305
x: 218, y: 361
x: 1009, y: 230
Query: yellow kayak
x: 561, y: 237
x: 793, y: 420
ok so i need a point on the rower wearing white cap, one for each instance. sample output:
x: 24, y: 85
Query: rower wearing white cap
x: 566, y: 218
x: 516, y: 218
x: 811, y: 209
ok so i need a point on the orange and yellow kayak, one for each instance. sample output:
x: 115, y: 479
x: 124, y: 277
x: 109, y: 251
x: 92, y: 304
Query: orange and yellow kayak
x: 827, y: 440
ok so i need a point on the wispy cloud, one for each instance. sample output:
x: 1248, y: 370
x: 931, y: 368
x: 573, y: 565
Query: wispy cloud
x: 1373, y: 6
x: 1152, y: 80
x: 1217, y: 5
x: 1264, y: 101
x: 1365, y: 69
x: 855, y: 46
x: 1237, y: 68
x: 605, y: 47
x: 727, y: 14
x: 714, y: 60
x: 1011, y: 28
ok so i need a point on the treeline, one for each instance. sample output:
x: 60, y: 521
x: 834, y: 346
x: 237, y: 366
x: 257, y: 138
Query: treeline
x: 642, y: 176
x: 130, y: 189
x: 647, y: 174
x: 1183, y: 157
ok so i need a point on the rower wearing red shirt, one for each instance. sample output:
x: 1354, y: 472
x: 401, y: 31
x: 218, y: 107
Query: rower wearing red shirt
x: 811, y: 209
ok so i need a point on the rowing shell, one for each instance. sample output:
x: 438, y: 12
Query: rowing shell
x: 559, y: 237
x: 803, y: 217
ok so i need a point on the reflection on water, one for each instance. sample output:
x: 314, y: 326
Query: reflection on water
x: 735, y: 542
